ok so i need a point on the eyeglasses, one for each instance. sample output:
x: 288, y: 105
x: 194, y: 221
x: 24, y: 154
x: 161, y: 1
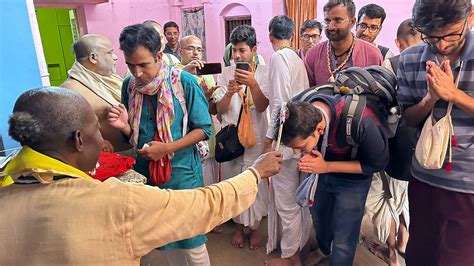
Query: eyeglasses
x: 447, y: 38
x: 171, y: 34
x: 335, y: 22
x: 307, y: 37
x: 192, y: 49
x: 363, y: 27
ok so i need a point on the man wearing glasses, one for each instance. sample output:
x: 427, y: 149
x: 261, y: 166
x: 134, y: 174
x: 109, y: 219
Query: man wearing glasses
x: 370, y: 19
x: 310, y: 36
x: 342, y: 50
x: 172, y: 38
x: 441, y: 200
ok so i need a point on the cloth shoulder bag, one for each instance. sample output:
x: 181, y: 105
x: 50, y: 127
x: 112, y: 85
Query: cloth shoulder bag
x: 245, y: 129
x: 228, y: 146
x: 435, y: 138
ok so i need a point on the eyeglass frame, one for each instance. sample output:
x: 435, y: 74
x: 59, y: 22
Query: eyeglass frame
x: 193, y: 49
x: 425, y: 37
x: 335, y: 22
x: 307, y: 37
x: 362, y: 26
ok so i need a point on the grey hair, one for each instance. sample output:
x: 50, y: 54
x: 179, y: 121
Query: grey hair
x: 48, y: 115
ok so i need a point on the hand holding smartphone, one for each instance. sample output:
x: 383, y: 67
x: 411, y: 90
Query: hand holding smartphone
x: 209, y: 69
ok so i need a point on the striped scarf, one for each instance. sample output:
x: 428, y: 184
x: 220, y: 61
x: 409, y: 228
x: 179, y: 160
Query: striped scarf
x: 164, y: 109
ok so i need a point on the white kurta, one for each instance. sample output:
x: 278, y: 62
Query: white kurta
x: 252, y: 216
x: 286, y: 220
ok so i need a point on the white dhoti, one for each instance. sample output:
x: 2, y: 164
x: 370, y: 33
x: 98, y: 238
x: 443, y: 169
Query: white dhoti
x: 381, y: 210
x: 287, y: 221
x: 253, y: 215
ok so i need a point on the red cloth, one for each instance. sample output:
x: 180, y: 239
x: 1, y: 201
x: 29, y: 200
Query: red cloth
x: 160, y: 171
x: 112, y: 164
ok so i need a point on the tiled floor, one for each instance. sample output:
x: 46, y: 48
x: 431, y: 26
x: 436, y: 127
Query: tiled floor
x: 222, y: 253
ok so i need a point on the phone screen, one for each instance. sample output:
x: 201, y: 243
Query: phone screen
x: 209, y: 69
x: 242, y: 65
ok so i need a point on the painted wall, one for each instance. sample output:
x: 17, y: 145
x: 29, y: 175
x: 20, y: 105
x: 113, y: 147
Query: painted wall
x: 19, y: 69
x: 110, y: 18
x: 397, y: 11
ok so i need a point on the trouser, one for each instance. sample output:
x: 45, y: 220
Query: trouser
x: 337, y: 215
x: 184, y: 257
x: 442, y: 226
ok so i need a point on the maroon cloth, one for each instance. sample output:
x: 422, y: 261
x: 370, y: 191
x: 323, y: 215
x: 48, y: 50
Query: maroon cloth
x: 441, y: 226
x: 364, y: 54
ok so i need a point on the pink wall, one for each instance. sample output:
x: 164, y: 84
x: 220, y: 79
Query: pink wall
x: 397, y: 11
x: 110, y: 18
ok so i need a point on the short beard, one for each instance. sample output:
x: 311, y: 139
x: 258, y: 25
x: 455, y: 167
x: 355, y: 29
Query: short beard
x: 338, y: 36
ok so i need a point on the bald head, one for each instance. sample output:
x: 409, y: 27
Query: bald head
x: 95, y: 52
x: 54, y: 119
x: 407, y: 35
x: 157, y: 26
x: 190, y: 49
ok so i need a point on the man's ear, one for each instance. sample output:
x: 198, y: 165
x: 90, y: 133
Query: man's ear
x: 159, y: 56
x: 93, y: 58
x: 254, y: 50
x: 78, y: 141
x: 352, y: 22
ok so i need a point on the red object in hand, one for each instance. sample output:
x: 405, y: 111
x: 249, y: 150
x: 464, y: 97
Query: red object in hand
x: 160, y: 170
x: 112, y: 164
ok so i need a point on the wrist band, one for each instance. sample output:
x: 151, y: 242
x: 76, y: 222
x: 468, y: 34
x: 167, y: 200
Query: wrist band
x: 255, y: 173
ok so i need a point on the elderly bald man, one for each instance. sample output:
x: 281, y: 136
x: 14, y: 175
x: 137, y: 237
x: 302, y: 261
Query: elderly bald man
x: 55, y: 214
x: 93, y: 76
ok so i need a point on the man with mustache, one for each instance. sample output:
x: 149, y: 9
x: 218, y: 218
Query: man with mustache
x: 342, y: 50
x: 172, y: 38
x: 441, y: 200
x: 153, y: 113
x: 369, y: 24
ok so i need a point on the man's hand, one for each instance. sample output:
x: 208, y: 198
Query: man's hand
x: 118, y: 116
x: 440, y: 81
x: 313, y: 163
x: 268, y: 164
x: 107, y: 146
x: 208, y: 91
x: 232, y: 88
x: 155, y: 151
x: 245, y: 77
x: 193, y: 65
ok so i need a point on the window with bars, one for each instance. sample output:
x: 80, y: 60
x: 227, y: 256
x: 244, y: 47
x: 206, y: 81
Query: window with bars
x: 232, y: 22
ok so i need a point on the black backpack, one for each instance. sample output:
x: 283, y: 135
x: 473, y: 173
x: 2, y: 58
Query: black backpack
x: 374, y: 87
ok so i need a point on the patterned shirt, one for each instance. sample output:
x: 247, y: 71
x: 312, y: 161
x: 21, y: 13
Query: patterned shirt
x: 413, y: 87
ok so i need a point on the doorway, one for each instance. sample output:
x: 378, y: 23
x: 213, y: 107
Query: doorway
x: 58, y: 31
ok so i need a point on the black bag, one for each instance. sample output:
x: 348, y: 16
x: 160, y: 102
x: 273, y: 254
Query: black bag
x: 402, y: 147
x: 228, y: 146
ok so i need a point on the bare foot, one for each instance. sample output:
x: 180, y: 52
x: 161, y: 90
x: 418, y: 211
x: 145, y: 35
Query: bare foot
x: 255, y: 239
x: 313, y: 258
x: 218, y: 229
x: 238, y: 236
x: 381, y: 252
x: 279, y: 262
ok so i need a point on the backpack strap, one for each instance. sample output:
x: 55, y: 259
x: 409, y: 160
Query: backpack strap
x: 353, y: 112
x: 383, y: 50
x: 178, y: 92
x: 394, y: 62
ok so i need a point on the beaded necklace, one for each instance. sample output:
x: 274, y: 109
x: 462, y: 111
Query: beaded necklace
x: 328, y: 57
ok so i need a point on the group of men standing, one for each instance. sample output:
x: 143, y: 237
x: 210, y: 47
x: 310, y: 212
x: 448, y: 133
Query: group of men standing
x: 163, y: 109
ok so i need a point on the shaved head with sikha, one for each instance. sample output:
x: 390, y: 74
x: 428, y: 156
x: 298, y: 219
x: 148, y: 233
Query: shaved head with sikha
x: 59, y: 123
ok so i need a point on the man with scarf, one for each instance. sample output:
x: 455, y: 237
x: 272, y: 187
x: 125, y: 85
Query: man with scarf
x: 164, y: 113
x: 93, y: 76
x: 56, y: 214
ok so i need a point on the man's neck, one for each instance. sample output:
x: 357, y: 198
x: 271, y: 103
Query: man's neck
x: 342, y: 46
x: 280, y: 44
x: 173, y: 47
x: 326, y: 109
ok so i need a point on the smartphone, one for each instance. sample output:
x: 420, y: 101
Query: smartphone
x: 242, y: 65
x: 209, y: 69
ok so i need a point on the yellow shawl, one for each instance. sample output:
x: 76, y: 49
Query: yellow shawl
x: 29, y: 162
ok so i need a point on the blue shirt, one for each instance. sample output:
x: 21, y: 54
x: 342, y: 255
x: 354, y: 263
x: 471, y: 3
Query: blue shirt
x: 413, y: 87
